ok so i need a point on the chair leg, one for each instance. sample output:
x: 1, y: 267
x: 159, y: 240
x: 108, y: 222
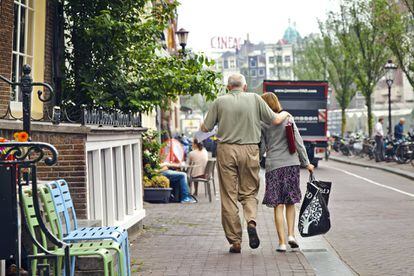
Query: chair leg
x: 214, y: 187
x: 72, y: 265
x: 205, y: 189
x: 209, y: 190
x: 214, y: 182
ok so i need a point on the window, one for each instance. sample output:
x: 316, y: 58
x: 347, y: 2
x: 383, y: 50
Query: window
x: 287, y: 58
x: 232, y: 63
x: 252, y: 62
x: 22, y: 41
x: 253, y: 72
x: 226, y: 64
x: 279, y: 59
x: 261, y: 72
x: 272, y: 60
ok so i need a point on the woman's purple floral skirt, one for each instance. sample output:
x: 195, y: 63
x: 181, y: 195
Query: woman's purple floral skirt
x: 282, y: 186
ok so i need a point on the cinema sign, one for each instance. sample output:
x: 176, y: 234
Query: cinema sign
x: 225, y: 42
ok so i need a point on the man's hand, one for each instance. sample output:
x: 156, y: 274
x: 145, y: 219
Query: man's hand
x: 310, y: 168
x: 203, y: 128
x: 280, y: 117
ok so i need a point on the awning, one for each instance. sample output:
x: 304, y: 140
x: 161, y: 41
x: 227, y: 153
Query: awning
x: 394, y: 112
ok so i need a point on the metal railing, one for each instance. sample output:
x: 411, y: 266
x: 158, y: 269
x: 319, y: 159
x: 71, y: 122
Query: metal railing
x: 69, y: 113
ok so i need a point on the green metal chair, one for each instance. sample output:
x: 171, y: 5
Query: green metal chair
x: 100, y: 249
x: 51, y: 217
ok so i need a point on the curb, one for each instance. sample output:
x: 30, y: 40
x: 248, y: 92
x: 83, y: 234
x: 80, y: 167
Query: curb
x: 391, y: 170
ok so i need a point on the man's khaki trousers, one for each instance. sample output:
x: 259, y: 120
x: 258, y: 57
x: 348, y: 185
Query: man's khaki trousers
x: 238, y: 172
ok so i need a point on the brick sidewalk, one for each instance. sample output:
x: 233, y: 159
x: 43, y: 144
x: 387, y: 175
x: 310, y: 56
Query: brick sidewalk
x: 187, y: 239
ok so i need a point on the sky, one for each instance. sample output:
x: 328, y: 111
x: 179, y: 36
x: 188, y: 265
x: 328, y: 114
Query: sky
x: 264, y: 20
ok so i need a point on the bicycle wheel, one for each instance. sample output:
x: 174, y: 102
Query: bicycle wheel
x: 400, y: 154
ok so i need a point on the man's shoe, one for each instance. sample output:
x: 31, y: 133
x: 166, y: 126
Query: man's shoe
x: 235, y: 248
x: 254, y: 241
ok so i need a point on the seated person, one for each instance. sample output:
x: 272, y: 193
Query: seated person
x: 198, y: 157
x: 178, y: 181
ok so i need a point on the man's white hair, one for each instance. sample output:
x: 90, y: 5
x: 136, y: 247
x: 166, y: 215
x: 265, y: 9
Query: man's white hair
x: 236, y: 80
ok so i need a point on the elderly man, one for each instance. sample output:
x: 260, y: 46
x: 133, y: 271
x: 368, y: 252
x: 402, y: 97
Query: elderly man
x: 399, y: 129
x: 379, y: 140
x: 238, y: 115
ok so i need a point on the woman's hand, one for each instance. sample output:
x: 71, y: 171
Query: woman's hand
x: 310, y: 168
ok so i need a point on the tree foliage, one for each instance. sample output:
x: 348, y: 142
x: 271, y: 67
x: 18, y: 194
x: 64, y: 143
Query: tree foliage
x: 116, y: 60
x: 325, y: 56
x: 341, y: 74
x: 309, y: 64
x: 357, y: 28
x: 398, y: 25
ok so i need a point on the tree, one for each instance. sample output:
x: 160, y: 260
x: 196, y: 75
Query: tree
x: 341, y: 74
x: 323, y: 56
x: 398, y: 23
x: 357, y: 28
x: 115, y: 57
x: 196, y: 102
x: 309, y: 64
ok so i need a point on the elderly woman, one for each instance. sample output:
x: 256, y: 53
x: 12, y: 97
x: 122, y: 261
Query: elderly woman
x: 282, y: 172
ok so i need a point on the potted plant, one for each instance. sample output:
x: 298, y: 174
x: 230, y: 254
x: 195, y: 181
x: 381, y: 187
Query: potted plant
x: 156, y: 186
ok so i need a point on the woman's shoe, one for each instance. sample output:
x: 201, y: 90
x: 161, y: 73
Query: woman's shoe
x: 281, y: 248
x: 292, y: 242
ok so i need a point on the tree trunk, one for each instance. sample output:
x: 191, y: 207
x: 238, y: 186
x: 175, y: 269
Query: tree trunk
x: 370, y: 119
x: 343, y: 122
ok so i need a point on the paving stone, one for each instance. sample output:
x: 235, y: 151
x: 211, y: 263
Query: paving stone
x: 187, y: 239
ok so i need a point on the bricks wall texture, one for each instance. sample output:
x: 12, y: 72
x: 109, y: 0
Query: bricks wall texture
x: 6, y: 36
x: 71, y: 164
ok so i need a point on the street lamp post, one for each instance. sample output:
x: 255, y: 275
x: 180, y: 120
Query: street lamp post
x: 182, y: 35
x: 390, y: 69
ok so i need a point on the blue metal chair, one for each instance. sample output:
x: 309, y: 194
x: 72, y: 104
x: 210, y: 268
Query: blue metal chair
x: 64, y: 208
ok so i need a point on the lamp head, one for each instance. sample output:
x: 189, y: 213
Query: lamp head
x: 182, y: 35
x: 390, y: 69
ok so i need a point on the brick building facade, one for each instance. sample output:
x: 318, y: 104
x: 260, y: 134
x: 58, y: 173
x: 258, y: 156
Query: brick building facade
x: 6, y: 44
x: 102, y: 165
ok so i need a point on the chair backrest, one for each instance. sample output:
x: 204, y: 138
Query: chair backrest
x: 70, y: 208
x: 32, y: 222
x: 59, y: 203
x: 49, y: 208
x: 209, y: 169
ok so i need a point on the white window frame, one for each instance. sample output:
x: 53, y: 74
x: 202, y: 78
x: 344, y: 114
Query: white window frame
x: 29, y: 7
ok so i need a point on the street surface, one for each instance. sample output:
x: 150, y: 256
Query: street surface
x: 372, y: 233
x: 372, y: 218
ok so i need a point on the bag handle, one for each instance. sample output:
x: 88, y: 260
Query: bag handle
x: 311, y: 177
x: 311, y: 180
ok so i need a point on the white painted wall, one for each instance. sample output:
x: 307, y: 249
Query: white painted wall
x: 114, y: 170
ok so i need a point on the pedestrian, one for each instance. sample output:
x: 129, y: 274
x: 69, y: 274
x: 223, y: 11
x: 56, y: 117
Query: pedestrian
x: 179, y: 183
x: 239, y: 115
x: 198, y: 158
x: 399, y: 129
x: 282, y: 172
x: 379, y: 140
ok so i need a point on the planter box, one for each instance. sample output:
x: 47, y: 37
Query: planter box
x: 157, y: 195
